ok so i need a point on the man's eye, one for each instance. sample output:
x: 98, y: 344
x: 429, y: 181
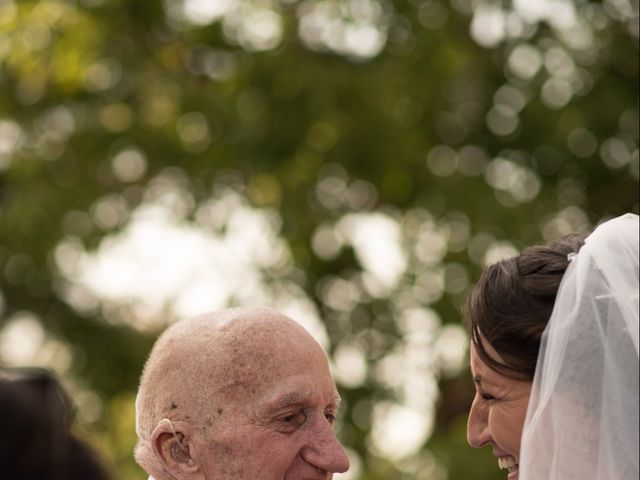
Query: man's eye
x: 330, y: 417
x: 487, y: 397
x: 294, y: 419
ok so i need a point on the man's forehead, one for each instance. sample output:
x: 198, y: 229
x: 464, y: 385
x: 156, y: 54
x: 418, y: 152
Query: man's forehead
x: 259, y: 370
x: 231, y: 336
x: 221, y: 323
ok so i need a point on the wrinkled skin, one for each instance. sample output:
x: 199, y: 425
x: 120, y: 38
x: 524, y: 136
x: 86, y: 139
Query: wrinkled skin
x: 263, y: 404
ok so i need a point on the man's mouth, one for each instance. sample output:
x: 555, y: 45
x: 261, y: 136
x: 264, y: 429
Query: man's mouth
x: 508, y: 463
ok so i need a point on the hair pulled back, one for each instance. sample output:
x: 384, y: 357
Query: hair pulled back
x: 512, y: 302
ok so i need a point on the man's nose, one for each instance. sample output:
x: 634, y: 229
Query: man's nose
x: 478, y: 433
x: 324, y: 451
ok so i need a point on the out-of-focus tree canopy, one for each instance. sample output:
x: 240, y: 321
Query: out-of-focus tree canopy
x: 354, y: 163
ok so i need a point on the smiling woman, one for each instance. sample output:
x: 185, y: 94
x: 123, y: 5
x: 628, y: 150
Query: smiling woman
x: 553, y: 296
x: 497, y: 414
x: 507, y: 312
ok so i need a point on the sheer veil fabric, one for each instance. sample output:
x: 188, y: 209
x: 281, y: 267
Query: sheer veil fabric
x: 582, y: 419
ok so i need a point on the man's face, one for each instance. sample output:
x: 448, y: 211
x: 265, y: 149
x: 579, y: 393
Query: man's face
x: 277, y: 422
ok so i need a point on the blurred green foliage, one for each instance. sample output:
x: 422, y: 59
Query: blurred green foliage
x: 522, y: 125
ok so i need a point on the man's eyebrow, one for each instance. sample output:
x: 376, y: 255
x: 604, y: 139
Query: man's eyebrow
x: 297, y: 397
x: 289, y: 398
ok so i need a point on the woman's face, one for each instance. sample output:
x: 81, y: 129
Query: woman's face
x: 498, y: 411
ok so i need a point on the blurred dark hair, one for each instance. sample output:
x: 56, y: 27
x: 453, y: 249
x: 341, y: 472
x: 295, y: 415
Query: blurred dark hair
x: 36, y: 442
x: 512, y: 302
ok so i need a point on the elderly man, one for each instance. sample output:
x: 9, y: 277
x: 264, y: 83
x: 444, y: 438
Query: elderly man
x: 242, y: 394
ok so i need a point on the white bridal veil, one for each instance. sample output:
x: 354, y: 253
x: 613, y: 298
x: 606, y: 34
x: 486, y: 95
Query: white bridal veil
x: 582, y: 420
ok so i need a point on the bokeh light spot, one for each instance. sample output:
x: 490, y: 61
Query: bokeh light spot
x: 129, y: 165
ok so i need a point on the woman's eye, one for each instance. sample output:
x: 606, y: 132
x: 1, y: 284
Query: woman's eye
x: 487, y: 397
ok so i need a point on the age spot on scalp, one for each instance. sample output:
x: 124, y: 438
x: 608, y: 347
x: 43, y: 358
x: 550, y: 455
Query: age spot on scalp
x: 220, y: 411
x: 173, y: 405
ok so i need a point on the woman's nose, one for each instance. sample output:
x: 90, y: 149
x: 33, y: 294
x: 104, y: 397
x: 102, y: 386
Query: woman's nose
x: 478, y: 433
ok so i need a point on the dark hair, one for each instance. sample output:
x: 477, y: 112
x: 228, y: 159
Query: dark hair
x: 512, y: 302
x: 36, y: 442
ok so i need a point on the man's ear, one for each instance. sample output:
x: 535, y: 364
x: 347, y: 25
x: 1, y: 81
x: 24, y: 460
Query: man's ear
x: 170, y: 441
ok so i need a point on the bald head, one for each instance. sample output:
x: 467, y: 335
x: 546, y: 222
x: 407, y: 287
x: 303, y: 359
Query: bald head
x: 199, y: 368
